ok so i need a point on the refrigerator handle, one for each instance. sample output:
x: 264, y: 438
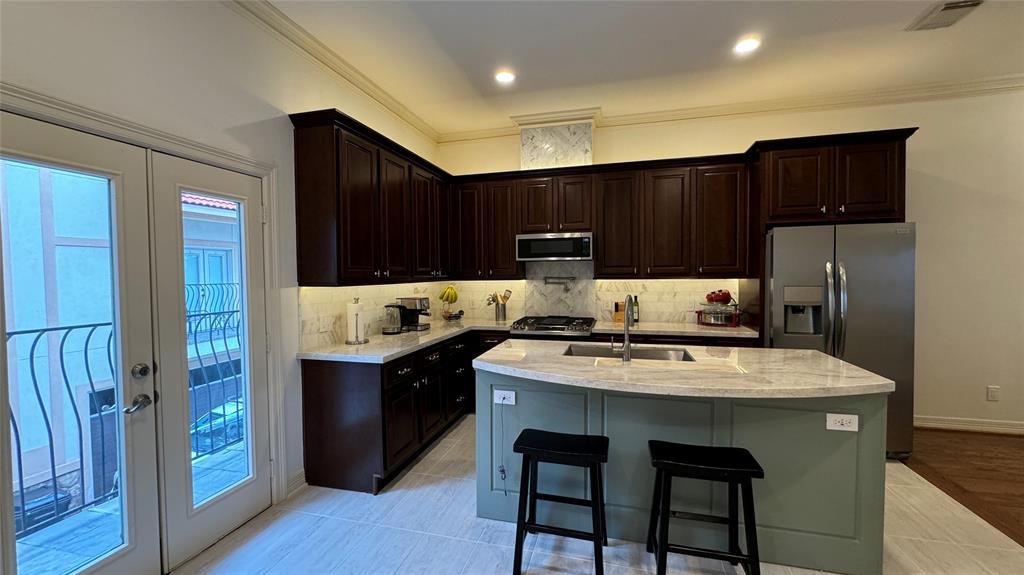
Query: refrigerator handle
x: 830, y: 311
x: 844, y: 308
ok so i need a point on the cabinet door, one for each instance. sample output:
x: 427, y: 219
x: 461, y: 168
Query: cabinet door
x: 668, y: 213
x: 467, y: 249
x: 537, y: 205
x: 396, y: 208
x: 316, y: 206
x: 456, y: 380
x: 401, y: 422
x: 359, y: 233
x: 431, y: 404
x: 424, y: 225
x: 868, y: 182
x: 500, y: 234
x: 572, y: 203
x: 616, y: 225
x: 721, y: 221
x: 799, y: 184
x: 443, y: 218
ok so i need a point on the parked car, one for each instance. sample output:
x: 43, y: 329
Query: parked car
x: 223, y: 425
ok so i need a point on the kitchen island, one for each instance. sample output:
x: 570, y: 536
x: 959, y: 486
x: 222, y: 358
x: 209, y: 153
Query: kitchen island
x: 821, y: 503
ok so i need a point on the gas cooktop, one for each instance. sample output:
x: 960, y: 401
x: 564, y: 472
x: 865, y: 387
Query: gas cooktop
x: 553, y: 325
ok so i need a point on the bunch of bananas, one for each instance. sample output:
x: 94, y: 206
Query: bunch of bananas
x: 449, y: 295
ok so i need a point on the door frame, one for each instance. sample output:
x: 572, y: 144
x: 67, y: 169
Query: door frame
x: 32, y: 104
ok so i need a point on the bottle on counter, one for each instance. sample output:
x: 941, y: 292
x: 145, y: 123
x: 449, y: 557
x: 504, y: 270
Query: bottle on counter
x: 636, y: 309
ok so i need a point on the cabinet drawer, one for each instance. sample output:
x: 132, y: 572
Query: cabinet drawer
x: 428, y: 358
x: 399, y: 371
x: 459, y: 346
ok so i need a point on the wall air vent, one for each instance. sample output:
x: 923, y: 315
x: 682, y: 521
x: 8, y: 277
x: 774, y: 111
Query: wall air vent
x: 943, y: 14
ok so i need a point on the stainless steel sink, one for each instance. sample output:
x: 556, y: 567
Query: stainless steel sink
x: 658, y: 353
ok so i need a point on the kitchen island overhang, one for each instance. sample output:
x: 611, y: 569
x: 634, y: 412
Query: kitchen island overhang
x: 821, y: 504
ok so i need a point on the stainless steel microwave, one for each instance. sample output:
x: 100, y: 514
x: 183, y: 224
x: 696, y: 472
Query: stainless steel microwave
x: 554, y: 247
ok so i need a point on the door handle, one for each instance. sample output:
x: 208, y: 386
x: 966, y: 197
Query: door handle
x: 830, y: 295
x: 844, y: 309
x: 139, y: 402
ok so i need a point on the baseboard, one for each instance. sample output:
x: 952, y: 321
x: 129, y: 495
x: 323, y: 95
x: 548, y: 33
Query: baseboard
x: 296, y: 482
x: 968, y: 424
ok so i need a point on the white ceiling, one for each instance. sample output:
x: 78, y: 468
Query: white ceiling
x: 634, y: 57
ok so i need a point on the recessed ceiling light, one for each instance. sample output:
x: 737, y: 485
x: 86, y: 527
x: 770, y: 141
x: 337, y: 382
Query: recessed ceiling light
x: 747, y: 45
x: 505, y: 77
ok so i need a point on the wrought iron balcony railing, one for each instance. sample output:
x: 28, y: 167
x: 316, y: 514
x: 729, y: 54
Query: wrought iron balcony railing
x: 64, y: 405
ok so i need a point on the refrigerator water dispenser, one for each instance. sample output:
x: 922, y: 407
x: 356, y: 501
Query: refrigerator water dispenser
x: 803, y: 308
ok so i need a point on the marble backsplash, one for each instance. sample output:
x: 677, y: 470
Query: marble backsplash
x: 322, y: 309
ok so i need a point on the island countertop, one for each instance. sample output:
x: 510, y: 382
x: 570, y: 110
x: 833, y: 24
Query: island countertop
x: 725, y: 372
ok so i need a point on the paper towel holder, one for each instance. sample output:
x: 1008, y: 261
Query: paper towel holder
x: 357, y: 341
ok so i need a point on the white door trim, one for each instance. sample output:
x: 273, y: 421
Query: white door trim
x: 27, y: 102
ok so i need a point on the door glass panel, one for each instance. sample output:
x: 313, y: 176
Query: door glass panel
x: 215, y: 321
x: 62, y: 346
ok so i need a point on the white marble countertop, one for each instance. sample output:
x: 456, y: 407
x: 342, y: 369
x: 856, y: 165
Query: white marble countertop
x: 385, y: 348
x: 726, y: 372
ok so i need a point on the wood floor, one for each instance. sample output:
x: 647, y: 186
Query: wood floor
x: 982, y: 471
x: 426, y: 523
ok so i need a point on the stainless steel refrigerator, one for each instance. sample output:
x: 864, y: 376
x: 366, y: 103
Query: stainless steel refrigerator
x: 848, y: 290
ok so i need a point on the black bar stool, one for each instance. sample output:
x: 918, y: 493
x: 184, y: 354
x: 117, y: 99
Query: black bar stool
x: 732, y: 465
x: 588, y: 451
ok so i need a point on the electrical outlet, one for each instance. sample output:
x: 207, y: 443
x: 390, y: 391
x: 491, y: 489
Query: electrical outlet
x: 504, y: 397
x: 992, y: 393
x: 841, y: 421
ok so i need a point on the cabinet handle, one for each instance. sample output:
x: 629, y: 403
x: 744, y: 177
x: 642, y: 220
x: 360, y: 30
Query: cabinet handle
x: 376, y: 274
x: 459, y: 346
x: 842, y: 209
x: 479, y: 272
x: 416, y: 385
x: 433, y: 356
x: 490, y: 272
x: 460, y: 370
x: 648, y: 269
x: 387, y: 273
x: 634, y: 270
x: 491, y: 341
x: 823, y: 209
x: 700, y: 270
x: 404, y: 370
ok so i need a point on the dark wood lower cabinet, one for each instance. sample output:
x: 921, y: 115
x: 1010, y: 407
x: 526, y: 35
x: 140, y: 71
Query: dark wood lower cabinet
x: 401, y: 423
x: 430, y: 396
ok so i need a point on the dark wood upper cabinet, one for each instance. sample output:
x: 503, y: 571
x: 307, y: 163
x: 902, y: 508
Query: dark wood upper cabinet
x: 537, y: 206
x: 869, y: 181
x: 396, y: 211
x: 317, y: 205
x: 424, y: 224
x: 667, y: 249
x: 467, y: 240
x: 616, y: 225
x: 800, y: 183
x: 573, y: 203
x: 499, y: 237
x: 443, y: 227
x: 720, y: 223
x: 358, y: 236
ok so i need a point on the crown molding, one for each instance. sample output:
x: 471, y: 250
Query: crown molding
x: 27, y: 102
x: 559, y: 117
x: 916, y: 93
x: 272, y: 20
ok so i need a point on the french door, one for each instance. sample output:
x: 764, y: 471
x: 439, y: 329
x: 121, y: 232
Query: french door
x: 135, y: 386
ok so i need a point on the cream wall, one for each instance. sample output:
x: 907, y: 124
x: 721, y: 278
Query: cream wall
x: 201, y: 71
x: 965, y: 188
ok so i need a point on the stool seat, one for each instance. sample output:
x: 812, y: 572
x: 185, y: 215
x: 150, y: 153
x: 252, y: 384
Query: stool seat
x: 704, y: 461
x: 555, y: 447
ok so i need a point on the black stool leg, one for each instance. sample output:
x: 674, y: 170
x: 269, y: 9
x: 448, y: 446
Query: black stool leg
x: 604, y: 514
x: 524, y: 495
x: 532, y: 517
x: 734, y: 520
x: 750, y: 526
x: 664, y: 515
x: 596, y: 513
x: 655, y: 510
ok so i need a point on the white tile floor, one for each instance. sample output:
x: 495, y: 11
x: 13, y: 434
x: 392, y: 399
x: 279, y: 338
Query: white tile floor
x: 426, y: 523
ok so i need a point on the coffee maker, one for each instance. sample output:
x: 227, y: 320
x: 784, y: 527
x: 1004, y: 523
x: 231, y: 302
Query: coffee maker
x: 410, y: 309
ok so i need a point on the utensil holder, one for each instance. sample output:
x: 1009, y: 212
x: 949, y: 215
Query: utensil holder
x: 499, y: 312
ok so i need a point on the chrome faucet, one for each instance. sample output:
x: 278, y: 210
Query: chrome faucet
x: 627, y: 322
